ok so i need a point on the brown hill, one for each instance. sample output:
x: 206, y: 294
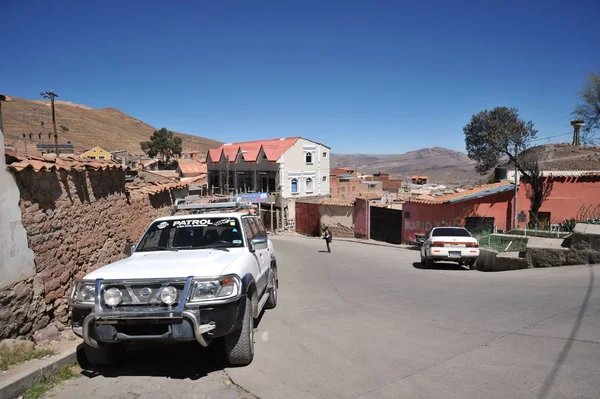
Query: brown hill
x: 565, y: 156
x: 108, y: 128
x: 454, y: 168
x: 441, y: 165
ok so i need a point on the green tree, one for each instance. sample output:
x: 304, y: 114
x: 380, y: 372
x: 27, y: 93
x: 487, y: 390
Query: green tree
x: 162, y: 143
x: 501, y: 133
x: 537, y: 188
x: 492, y: 135
x: 588, y: 107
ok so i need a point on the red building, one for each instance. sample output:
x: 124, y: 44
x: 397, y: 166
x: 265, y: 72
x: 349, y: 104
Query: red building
x: 575, y: 194
x: 344, y: 187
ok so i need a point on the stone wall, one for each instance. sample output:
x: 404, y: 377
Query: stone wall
x: 76, y: 221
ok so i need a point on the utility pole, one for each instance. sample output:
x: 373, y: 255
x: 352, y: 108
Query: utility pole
x: 50, y: 94
x: 516, y: 189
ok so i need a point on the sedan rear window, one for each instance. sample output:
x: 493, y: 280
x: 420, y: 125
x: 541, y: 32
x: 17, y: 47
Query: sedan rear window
x: 450, y: 232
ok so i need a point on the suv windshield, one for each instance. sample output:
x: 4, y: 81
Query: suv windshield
x: 450, y: 232
x: 197, y: 233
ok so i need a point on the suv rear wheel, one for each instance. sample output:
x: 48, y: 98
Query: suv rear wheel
x: 239, y: 345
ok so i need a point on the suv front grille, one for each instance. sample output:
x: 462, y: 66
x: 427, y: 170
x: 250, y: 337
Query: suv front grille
x: 144, y: 294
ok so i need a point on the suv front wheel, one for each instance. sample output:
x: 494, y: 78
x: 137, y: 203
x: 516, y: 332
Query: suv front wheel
x: 272, y: 301
x: 239, y: 345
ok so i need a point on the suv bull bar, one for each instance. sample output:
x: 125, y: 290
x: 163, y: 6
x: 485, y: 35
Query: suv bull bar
x: 107, y: 314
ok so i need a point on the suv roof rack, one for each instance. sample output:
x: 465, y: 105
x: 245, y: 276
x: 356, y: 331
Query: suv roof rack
x: 210, y: 204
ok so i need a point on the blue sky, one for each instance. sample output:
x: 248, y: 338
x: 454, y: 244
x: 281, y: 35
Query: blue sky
x: 360, y: 76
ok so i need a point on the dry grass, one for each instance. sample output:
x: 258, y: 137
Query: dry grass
x: 108, y: 128
x: 20, y: 354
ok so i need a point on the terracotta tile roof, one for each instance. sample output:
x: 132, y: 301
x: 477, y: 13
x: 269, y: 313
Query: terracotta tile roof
x: 155, y: 188
x: 192, y: 168
x: 165, y: 173
x: 336, y: 202
x: 455, y: 196
x: 19, y: 163
x: 273, y: 149
x: 373, y: 195
x: 197, y: 180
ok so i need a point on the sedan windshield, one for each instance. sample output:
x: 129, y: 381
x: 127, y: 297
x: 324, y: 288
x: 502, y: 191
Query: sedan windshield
x: 197, y: 233
x: 450, y: 232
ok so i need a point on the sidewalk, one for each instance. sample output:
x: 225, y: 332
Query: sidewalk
x: 14, y: 381
x: 376, y: 243
x: 356, y: 240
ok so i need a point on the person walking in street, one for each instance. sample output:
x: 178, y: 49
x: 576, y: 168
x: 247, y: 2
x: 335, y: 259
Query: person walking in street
x: 327, y: 237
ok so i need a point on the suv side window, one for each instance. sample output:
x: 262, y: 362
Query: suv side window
x: 261, y: 227
x: 254, y: 227
x: 249, y: 232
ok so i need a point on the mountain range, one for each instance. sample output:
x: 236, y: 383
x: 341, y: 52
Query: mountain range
x: 440, y: 165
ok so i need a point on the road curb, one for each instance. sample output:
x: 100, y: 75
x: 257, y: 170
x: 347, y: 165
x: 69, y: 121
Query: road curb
x: 359, y: 241
x: 14, y: 386
x: 377, y: 244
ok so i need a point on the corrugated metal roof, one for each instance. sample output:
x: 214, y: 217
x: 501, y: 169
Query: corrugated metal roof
x: 562, y: 173
x: 52, y: 146
x: 478, y: 192
x: 188, y: 168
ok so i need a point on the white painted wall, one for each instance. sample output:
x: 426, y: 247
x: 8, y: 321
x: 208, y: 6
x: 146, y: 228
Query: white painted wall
x: 294, y: 166
x: 16, y: 258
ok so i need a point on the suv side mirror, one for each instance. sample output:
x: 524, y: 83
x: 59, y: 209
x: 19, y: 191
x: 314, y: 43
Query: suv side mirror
x: 129, y: 249
x: 258, y: 243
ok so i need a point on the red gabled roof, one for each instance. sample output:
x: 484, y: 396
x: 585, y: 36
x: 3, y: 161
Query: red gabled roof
x: 273, y: 149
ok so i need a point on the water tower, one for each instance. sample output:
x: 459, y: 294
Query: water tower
x: 577, y: 123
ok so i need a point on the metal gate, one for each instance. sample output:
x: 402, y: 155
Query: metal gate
x: 480, y: 225
x: 386, y: 225
x: 308, y: 219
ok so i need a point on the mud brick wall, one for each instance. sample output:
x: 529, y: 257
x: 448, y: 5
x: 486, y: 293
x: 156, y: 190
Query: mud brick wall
x: 76, y: 221
x: 339, y: 219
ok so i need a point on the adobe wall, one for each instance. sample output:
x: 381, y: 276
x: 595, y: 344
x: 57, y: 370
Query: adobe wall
x: 76, y: 221
x: 339, y: 219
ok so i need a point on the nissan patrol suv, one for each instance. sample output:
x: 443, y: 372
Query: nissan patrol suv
x: 194, y: 277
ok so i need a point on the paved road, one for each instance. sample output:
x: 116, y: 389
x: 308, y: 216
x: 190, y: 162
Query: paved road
x: 158, y: 371
x: 368, y: 322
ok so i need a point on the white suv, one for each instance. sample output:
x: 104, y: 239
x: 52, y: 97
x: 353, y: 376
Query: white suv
x: 454, y: 244
x: 192, y: 277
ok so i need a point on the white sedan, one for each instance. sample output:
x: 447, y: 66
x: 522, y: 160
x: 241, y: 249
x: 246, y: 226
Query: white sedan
x: 453, y: 244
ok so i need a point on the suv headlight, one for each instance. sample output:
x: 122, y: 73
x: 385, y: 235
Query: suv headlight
x: 216, y: 289
x: 84, y: 293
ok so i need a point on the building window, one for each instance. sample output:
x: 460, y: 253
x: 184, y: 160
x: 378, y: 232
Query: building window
x: 324, y: 155
x: 294, y: 186
x: 343, y: 189
x: 324, y: 178
x: 308, y: 157
x: 353, y: 188
x: 101, y: 157
x: 309, y: 185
